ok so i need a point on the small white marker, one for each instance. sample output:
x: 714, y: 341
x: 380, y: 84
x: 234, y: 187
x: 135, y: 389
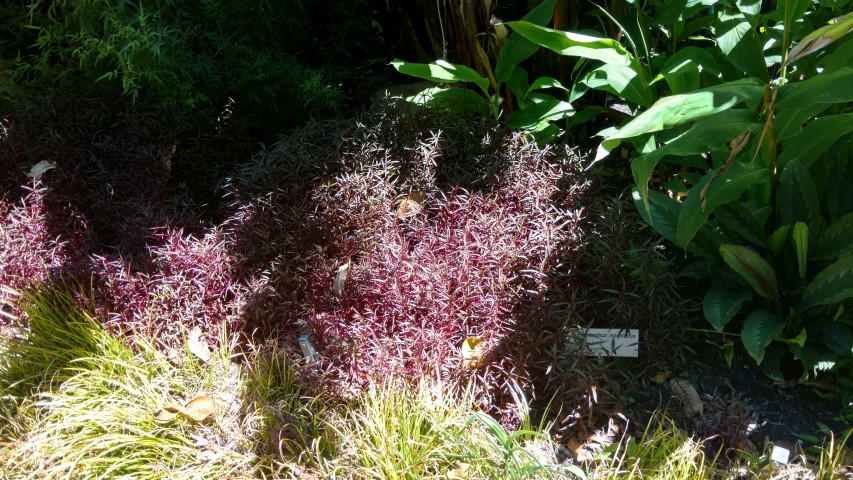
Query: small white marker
x: 780, y: 455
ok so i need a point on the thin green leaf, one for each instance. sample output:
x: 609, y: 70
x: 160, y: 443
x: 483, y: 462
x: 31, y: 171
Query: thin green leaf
x: 801, y: 245
x: 777, y: 240
x: 753, y: 268
x: 722, y: 303
x: 517, y: 48
x: 442, y: 72
x: 677, y: 110
x: 815, y: 138
x: 827, y: 88
x: 576, y: 44
x: 822, y: 37
x: 759, y: 329
x: 619, y: 80
x: 833, y: 284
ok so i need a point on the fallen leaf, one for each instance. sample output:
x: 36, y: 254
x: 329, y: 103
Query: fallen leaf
x: 411, y: 205
x: 40, y: 168
x: 197, y: 345
x: 688, y: 396
x: 660, y: 377
x: 472, y: 352
x: 340, y: 280
x: 197, y: 410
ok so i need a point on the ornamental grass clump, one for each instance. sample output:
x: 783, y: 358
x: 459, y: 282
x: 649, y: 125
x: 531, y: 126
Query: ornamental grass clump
x: 374, y: 242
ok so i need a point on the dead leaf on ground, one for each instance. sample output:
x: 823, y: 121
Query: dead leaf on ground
x: 197, y: 410
x: 688, y: 396
x: 586, y: 450
x: 197, y: 345
x: 411, y: 205
x: 661, y: 377
x: 40, y: 168
x: 472, y: 352
x: 340, y: 280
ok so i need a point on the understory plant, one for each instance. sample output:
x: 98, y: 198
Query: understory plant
x: 763, y: 169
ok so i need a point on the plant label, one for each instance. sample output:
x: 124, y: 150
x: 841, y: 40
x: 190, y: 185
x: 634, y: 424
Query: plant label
x: 779, y: 455
x: 612, y: 342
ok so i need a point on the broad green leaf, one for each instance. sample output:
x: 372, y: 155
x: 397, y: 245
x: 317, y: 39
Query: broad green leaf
x: 799, y: 340
x: 517, y: 49
x: 619, y: 80
x: 777, y: 240
x: 442, y: 72
x: 822, y: 37
x: 456, y: 99
x: 677, y: 110
x: 833, y: 284
x: 797, y: 200
x: 836, y: 240
x: 519, y: 85
x: 759, y: 328
x: 683, y: 69
x: 538, y: 115
x: 841, y: 56
x: 703, y: 136
x: 827, y: 88
x: 839, y: 195
x: 546, y: 82
x: 788, y: 123
x: 834, y: 335
x: 737, y: 40
x: 816, y: 359
x: 661, y: 214
x: 722, y: 303
x: 726, y: 188
x: 736, y: 218
x: 801, y: 245
x: 576, y: 44
x: 813, y: 140
x: 753, y: 268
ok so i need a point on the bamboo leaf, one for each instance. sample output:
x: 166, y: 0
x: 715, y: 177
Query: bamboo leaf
x: 753, y: 268
x: 832, y: 285
x: 759, y: 329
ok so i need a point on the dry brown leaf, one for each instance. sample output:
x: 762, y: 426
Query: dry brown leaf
x: 197, y: 410
x: 661, y: 377
x: 197, y: 345
x: 688, y: 396
x: 472, y: 352
x: 40, y: 168
x: 340, y: 280
x: 412, y: 204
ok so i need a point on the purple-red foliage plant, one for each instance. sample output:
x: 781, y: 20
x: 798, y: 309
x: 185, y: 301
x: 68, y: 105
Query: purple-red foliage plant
x: 475, y: 258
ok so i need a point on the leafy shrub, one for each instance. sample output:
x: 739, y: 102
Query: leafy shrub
x: 186, y: 57
x: 475, y: 260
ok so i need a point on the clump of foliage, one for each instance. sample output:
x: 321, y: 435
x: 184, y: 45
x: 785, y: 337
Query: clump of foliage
x: 220, y: 59
x: 473, y: 257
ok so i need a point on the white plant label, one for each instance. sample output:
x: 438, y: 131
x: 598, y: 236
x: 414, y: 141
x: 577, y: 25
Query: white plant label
x: 612, y: 342
x: 780, y: 455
